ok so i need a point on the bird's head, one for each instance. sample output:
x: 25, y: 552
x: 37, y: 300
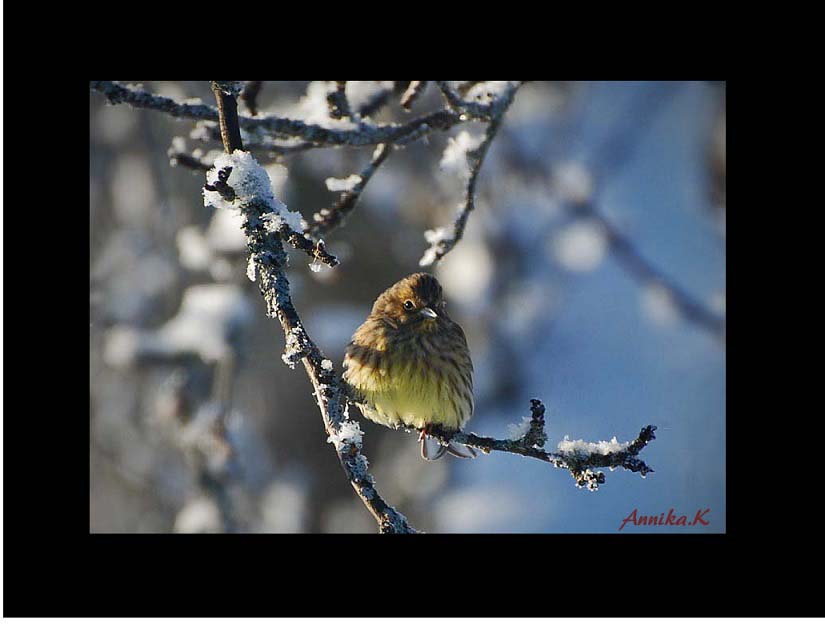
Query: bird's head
x: 415, y: 301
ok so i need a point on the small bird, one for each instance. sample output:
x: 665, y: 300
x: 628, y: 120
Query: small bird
x: 409, y: 365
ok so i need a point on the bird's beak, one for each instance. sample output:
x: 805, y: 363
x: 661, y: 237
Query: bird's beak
x: 428, y: 313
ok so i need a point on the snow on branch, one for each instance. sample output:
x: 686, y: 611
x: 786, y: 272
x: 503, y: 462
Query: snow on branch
x: 357, y: 134
x: 116, y: 93
x: 579, y: 457
x: 205, y: 131
x: 238, y: 180
x: 326, y: 220
x: 487, y: 101
x: 410, y: 96
x: 443, y: 239
x: 484, y: 104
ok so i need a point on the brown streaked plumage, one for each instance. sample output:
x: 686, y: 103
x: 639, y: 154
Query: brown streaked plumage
x: 410, y: 366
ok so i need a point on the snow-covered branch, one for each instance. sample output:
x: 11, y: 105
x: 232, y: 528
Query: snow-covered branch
x: 238, y: 180
x: 352, y: 134
x: 579, y: 457
x: 486, y: 111
x: 207, y: 131
x: 116, y: 93
x: 487, y: 101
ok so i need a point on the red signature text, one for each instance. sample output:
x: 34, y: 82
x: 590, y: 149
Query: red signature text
x: 670, y: 519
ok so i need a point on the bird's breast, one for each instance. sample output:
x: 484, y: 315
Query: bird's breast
x: 412, y: 382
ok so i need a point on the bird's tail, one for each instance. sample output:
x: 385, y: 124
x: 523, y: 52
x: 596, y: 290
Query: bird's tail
x: 432, y: 449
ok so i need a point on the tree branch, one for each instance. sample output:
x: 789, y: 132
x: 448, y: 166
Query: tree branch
x: 415, y: 90
x: 454, y: 101
x: 360, y: 134
x: 190, y: 161
x: 228, y: 118
x: 578, y: 457
x: 249, y: 96
x: 269, y: 261
x: 326, y: 220
x: 337, y: 101
x: 444, y: 239
x: 206, y: 131
x: 375, y: 102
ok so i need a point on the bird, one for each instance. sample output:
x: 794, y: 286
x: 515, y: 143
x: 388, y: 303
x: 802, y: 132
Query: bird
x: 409, y: 366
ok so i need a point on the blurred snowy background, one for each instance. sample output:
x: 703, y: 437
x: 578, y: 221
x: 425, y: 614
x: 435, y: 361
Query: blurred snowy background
x: 198, y: 426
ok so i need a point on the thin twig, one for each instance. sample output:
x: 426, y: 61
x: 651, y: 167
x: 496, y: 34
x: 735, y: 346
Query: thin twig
x: 228, y: 118
x: 415, y: 90
x: 299, y: 241
x: 249, y: 96
x: 317, y: 250
x: 375, y: 102
x: 206, y: 131
x: 444, y: 239
x: 280, y: 150
x: 190, y: 161
x: 361, y: 133
x: 480, y: 111
x: 326, y: 220
x: 580, y: 462
x: 337, y: 101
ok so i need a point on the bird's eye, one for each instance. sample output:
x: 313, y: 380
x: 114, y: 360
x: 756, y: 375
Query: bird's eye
x: 408, y: 305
